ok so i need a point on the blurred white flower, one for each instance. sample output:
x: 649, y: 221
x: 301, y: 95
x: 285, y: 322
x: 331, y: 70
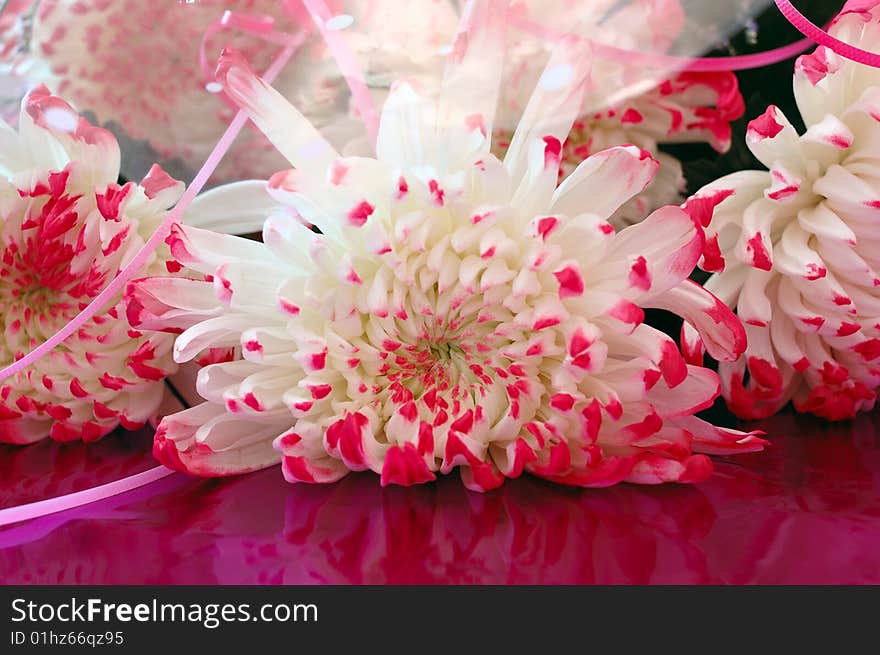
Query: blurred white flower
x: 135, y: 66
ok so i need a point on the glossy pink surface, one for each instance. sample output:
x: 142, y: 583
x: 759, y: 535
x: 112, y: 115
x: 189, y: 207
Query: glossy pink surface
x: 805, y: 511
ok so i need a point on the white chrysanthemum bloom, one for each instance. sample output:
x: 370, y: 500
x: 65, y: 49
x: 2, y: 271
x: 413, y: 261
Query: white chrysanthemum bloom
x: 66, y: 228
x: 796, y: 247
x: 135, y: 66
x: 454, y: 311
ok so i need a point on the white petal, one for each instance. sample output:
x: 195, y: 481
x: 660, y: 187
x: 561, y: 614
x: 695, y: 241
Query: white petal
x: 165, y: 303
x: 551, y: 111
x: 241, y: 445
x: 290, y: 132
x: 204, y: 251
x: 604, y: 181
x: 469, y: 91
x: 237, y: 208
x: 406, y: 118
x: 720, y: 330
x: 651, y: 257
x: 221, y: 332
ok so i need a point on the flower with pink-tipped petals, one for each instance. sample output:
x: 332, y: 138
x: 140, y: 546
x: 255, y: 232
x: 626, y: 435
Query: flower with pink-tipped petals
x: 66, y: 228
x: 795, y: 248
x: 451, y: 310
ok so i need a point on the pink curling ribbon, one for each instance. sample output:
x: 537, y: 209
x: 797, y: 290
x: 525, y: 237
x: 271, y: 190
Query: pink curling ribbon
x: 669, y: 62
x: 257, y: 24
x: 69, y: 501
x: 354, y: 77
x: 104, y: 509
x: 820, y: 36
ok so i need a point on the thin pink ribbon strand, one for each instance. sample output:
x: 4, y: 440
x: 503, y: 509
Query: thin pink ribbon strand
x: 319, y: 12
x: 348, y: 65
x: 140, y: 259
x: 669, y: 62
x: 105, y: 509
x: 257, y: 24
x: 820, y: 36
x: 69, y: 501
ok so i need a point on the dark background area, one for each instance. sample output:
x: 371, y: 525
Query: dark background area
x: 760, y: 87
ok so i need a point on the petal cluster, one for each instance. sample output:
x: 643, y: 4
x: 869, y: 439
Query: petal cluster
x: 624, y: 103
x: 794, y: 249
x: 687, y: 108
x: 435, y: 308
x: 66, y: 228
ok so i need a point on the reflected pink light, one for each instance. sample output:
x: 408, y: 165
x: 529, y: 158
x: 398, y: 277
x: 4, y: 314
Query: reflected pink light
x: 805, y: 511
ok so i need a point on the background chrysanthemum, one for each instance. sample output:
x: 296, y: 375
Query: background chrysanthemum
x: 166, y: 105
x: 795, y: 247
x: 135, y: 66
x: 16, y: 19
x: 454, y: 311
x: 66, y: 228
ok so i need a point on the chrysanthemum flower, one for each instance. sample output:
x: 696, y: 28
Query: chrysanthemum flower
x: 135, y: 66
x: 66, y: 228
x: 454, y: 311
x: 795, y: 247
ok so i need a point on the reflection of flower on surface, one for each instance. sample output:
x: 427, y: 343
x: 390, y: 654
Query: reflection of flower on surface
x: 106, y: 546
x: 767, y: 518
x: 76, y: 45
x: 66, y: 228
x: 527, y: 532
x: 795, y: 248
x: 136, y: 64
x: 158, y: 534
x: 762, y: 518
x: 805, y: 512
x: 454, y: 312
x: 14, y: 20
x: 50, y: 469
